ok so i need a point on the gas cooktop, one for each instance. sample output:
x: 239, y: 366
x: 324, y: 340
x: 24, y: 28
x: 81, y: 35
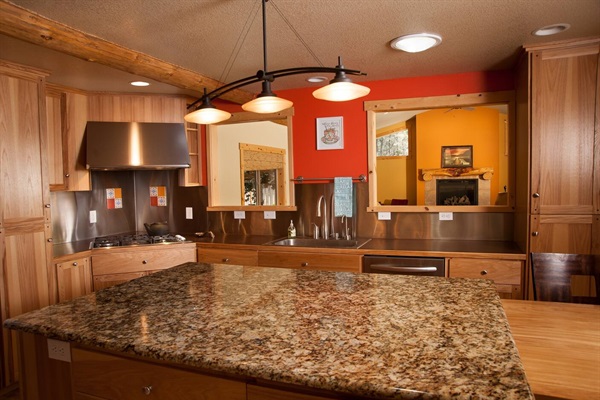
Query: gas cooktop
x: 135, y: 239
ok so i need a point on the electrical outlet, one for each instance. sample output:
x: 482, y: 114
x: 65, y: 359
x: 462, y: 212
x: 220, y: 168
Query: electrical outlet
x: 446, y: 216
x: 189, y: 213
x: 269, y: 214
x: 384, y: 216
x: 92, y: 216
x: 239, y: 215
x: 59, y: 350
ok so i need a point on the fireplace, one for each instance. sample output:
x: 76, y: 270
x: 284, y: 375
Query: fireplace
x: 457, y: 192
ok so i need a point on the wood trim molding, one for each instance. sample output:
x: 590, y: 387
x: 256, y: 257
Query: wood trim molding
x: 22, y: 24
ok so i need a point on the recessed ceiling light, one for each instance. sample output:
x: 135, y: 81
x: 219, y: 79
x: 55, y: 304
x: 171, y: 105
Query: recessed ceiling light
x: 416, y: 43
x: 551, y: 29
x: 316, y: 79
x: 139, y: 83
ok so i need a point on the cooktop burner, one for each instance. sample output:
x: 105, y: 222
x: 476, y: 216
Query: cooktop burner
x: 135, y: 239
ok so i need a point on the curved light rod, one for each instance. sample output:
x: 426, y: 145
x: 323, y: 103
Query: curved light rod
x: 270, y: 76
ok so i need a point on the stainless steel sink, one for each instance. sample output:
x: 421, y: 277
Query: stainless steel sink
x: 310, y: 242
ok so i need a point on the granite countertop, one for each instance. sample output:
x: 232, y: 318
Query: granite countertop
x: 382, y: 336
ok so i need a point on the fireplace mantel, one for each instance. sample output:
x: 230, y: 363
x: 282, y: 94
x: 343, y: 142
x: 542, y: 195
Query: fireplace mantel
x: 484, y: 172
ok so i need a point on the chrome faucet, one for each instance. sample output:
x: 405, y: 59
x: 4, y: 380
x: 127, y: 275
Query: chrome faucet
x: 346, y: 234
x: 325, y: 222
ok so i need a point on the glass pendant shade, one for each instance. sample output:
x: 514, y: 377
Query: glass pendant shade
x: 341, y: 91
x: 267, y: 104
x: 207, y: 116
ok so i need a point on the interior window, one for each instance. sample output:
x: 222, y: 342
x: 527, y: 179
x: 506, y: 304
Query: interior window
x: 394, y: 144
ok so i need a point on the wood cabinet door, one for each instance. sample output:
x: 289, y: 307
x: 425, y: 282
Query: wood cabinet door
x: 562, y: 233
x: 564, y: 111
x: 75, y: 120
x: 24, y: 202
x: 193, y: 176
x: 74, y: 278
x: 54, y: 140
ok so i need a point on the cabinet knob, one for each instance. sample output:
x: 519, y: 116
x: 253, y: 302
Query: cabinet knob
x: 536, y: 233
x: 75, y: 263
x: 67, y: 175
x: 49, y: 239
x: 536, y: 195
x: 225, y: 260
x: 144, y: 262
x: 304, y: 264
x: 484, y: 272
x: 147, y: 390
x: 47, y: 205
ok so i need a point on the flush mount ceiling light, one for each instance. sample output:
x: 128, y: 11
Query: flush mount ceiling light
x: 551, y: 29
x: 139, y: 83
x: 340, y: 88
x: 416, y: 43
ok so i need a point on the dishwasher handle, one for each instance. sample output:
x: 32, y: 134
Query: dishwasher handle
x: 399, y: 268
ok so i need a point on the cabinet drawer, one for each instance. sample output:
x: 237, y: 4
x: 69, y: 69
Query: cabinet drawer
x: 500, y: 271
x: 228, y: 256
x: 113, y: 261
x: 112, y: 377
x: 326, y: 262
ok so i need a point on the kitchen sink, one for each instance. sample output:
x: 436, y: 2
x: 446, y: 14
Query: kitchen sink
x: 311, y: 242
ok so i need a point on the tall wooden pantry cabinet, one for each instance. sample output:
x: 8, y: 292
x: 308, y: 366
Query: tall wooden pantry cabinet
x: 558, y: 108
x: 25, y: 230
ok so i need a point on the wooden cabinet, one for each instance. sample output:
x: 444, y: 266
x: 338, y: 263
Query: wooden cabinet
x: 117, y: 265
x: 305, y: 260
x: 564, y: 201
x: 73, y: 278
x: 24, y: 202
x: 506, y: 274
x: 67, y: 116
x: 111, y: 377
x: 228, y: 256
x: 193, y: 176
x: 256, y: 392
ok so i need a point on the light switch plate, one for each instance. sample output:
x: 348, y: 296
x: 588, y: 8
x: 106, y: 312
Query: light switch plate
x: 269, y: 214
x: 92, y: 216
x: 384, y: 216
x: 239, y: 215
x: 189, y: 213
x: 446, y: 216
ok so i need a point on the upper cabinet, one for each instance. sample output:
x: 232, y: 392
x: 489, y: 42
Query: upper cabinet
x: 250, y: 163
x: 564, y: 193
x: 446, y: 153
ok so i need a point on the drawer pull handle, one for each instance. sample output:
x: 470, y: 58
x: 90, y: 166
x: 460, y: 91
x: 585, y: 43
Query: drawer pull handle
x: 75, y: 263
x: 484, y: 272
x: 147, y: 390
x: 304, y: 264
x: 226, y: 260
x: 144, y: 262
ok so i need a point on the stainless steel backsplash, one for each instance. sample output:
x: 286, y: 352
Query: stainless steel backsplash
x: 70, y: 213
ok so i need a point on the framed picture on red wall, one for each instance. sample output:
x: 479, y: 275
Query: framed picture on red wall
x: 330, y: 133
x: 457, y: 156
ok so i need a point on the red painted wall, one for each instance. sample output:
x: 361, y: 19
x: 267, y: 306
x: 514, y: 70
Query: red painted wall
x: 352, y: 160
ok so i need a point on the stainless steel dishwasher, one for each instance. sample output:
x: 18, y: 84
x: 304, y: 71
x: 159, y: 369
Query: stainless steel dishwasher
x: 425, y: 266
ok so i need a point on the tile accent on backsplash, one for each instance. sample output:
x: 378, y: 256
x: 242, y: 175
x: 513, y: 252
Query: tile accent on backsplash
x: 158, y: 196
x: 114, y: 198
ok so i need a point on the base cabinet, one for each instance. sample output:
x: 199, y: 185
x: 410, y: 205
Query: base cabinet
x: 228, y: 256
x: 74, y: 278
x: 303, y: 260
x: 506, y: 274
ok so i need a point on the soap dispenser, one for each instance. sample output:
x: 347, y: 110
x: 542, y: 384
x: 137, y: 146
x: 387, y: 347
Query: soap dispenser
x: 291, y: 230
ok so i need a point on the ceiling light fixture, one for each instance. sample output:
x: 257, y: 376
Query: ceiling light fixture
x: 340, y: 88
x: 139, y: 83
x: 416, y: 43
x: 551, y: 29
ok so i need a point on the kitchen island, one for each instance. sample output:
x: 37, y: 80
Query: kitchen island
x: 336, y: 334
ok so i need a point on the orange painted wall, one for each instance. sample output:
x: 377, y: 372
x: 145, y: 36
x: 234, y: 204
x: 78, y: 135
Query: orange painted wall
x: 478, y: 128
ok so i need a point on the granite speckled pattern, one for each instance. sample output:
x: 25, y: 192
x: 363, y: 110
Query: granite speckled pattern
x: 381, y: 336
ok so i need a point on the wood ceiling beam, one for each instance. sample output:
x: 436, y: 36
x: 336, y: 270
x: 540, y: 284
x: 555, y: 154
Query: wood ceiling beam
x: 25, y: 25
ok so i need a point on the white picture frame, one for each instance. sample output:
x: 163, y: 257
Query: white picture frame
x: 330, y: 133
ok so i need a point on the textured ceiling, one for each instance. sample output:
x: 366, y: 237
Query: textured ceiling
x: 222, y: 39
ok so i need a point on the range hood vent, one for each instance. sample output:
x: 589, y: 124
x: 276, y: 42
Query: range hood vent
x: 136, y: 145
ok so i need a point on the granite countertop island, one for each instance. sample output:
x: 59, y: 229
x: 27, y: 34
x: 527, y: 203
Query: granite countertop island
x: 371, y: 335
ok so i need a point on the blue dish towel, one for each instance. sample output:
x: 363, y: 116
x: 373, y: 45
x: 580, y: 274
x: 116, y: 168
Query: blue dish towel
x: 342, y: 190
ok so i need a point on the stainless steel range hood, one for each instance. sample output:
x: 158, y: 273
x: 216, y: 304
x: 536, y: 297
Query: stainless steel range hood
x: 136, y: 145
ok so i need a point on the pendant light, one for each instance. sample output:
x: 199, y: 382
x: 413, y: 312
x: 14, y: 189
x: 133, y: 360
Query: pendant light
x: 341, y: 88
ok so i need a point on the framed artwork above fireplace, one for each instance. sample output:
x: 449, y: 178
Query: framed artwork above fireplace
x: 457, y: 156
